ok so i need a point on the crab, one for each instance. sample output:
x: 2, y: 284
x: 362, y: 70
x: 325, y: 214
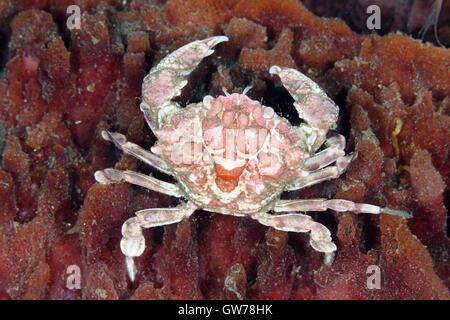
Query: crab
x: 233, y: 155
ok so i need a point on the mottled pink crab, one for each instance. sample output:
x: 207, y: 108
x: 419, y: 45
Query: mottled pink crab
x: 232, y: 155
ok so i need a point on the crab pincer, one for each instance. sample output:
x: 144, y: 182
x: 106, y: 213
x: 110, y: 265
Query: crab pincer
x: 166, y: 80
x: 310, y: 101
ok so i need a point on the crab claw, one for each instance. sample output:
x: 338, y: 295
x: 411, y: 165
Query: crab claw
x: 311, y: 102
x: 166, y: 79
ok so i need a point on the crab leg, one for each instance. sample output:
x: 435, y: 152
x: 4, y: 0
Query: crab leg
x: 110, y: 175
x: 133, y: 241
x: 337, y: 141
x: 320, y: 236
x: 331, y: 154
x: 311, y: 103
x: 338, y: 205
x: 321, y: 175
x: 133, y: 149
x: 166, y: 80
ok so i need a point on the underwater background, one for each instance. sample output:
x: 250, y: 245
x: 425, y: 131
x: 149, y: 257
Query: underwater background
x: 60, y: 87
